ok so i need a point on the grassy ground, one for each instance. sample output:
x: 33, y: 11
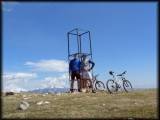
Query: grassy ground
x: 137, y: 104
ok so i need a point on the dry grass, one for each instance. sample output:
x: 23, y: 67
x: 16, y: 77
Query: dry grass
x: 137, y: 104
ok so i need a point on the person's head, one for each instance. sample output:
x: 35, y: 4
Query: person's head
x: 84, y: 58
x: 76, y: 56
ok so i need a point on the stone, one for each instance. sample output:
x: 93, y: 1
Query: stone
x: 9, y: 93
x: 26, y: 98
x: 46, y: 102
x: 83, y: 90
x: 103, y: 104
x: 23, y: 105
x: 58, y: 94
x: 40, y: 103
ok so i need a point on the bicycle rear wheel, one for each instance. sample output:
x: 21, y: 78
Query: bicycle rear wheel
x: 127, y: 85
x: 111, y: 86
x: 99, y: 85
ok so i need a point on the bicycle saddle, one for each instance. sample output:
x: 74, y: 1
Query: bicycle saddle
x: 111, y: 72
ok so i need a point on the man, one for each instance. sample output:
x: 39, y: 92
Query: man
x: 74, y: 70
x: 86, y: 66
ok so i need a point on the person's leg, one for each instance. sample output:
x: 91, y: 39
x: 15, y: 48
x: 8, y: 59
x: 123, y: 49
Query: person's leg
x: 78, y: 77
x: 84, y: 79
x: 88, y: 85
x: 91, y: 86
x: 82, y: 86
x: 91, y: 82
x: 85, y: 83
x: 78, y: 82
x: 72, y: 81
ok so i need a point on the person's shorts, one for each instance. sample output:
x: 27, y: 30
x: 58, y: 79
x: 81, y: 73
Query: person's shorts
x: 74, y: 75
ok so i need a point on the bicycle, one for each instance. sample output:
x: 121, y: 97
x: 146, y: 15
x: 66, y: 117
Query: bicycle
x: 114, y: 86
x: 96, y: 84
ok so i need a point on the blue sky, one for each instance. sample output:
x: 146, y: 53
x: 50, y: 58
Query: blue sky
x: 124, y: 37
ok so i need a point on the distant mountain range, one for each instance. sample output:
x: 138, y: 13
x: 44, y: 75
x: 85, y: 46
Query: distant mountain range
x: 61, y: 90
x: 50, y: 90
x: 55, y: 90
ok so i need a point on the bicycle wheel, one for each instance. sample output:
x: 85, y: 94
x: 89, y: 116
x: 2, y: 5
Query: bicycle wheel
x: 99, y: 85
x: 111, y: 86
x: 127, y: 86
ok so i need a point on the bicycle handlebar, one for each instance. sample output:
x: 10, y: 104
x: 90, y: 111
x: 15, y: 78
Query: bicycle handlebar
x: 111, y: 73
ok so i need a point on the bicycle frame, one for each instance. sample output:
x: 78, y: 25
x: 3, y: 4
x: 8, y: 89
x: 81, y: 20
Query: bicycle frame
x: 117, y: 78
x: 94, y: 79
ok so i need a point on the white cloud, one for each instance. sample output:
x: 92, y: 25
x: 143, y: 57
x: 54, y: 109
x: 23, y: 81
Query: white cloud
x: 58, y: 82
x: 21, y: 81
x: 19, y: 75
x: 13, y: 88
x: 17, y: 81
x: 49, y: 65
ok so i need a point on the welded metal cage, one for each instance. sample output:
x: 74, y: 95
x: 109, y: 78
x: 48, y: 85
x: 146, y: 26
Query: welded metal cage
x: 79, y: 33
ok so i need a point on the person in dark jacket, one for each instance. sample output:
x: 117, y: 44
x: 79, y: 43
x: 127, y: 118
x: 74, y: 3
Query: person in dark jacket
x: 74, y: 70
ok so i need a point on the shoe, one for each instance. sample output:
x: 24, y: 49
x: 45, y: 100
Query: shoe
x: 93, y: 91
x: 71, y: 90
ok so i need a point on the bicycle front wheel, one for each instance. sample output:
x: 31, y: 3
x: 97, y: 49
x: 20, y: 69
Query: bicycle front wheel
x: 127, y: 86
x: 111, y: 86
x: 99, y: 85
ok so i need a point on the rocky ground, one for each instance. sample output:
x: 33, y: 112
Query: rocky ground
x: 136, y: 104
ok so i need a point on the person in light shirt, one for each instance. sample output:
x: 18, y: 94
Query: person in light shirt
x: 86, y: 67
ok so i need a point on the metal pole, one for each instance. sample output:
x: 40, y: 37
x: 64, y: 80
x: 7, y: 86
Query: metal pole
x: 80, y: 60
x: 72, y: 34
x: 68, y: 46
x: 68, y: 60
x: 84, y: 33
x: 80, y: 44
x: 73, y: 30
x: 90, y: 49
x: 77, y: 40
x: 90, y: 44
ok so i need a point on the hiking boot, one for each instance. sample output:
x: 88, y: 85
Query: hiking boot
x: 93, y: 91
x: 71, y: 90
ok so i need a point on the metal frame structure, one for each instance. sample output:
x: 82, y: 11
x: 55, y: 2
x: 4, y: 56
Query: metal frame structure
x: 79, y: 33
